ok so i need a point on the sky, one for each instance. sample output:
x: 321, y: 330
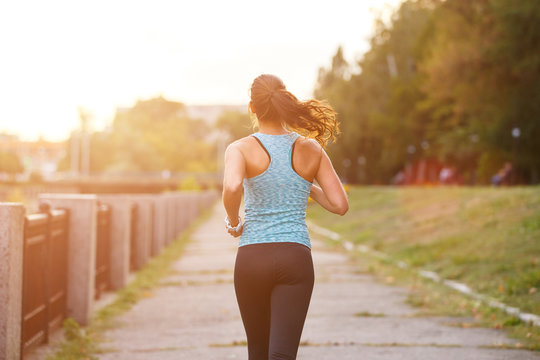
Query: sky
x: 59, y: 56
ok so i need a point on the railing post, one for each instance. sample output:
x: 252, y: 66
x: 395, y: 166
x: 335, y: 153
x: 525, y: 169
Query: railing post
x: 65, y: 263
x: 144, y: 233
x: 180, y: 208
x: 11, y: 260
x: 103, y: 250
x: 171, y: 217
x: 45, y: 208
x: 190, y: 207
x: 160, y: 224
x: 121, y: 232
x: 81, y: 251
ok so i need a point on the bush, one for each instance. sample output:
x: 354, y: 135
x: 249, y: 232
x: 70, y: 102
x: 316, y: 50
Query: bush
x: 189, y: 183
x: 78, y: 345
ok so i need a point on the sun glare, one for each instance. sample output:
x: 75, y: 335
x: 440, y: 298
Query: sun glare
x: 103, y: 55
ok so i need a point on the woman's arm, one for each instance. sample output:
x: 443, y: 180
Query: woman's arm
x: 233, y: 177
x: 330, y: 195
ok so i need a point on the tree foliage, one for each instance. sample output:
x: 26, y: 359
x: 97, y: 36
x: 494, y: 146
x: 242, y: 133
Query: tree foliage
x: 445, y: 79
x: 235, y: 123
x: 10, y: 163
x: 152, y: 136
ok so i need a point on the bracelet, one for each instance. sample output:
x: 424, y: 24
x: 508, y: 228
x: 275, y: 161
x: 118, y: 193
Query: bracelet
x: 230, y: 227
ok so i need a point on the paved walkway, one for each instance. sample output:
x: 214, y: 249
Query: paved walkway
x: 194, y: 315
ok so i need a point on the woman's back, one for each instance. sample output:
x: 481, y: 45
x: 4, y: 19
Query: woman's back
x: 306, y: 157
x: 279, y: 174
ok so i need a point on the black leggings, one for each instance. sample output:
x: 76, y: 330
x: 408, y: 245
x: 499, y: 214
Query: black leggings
x: 273, y: 284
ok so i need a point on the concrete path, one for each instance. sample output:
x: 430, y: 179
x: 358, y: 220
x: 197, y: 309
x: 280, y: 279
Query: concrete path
x: 194, y: 314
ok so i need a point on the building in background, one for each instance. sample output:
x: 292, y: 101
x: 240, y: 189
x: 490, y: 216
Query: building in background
x: 39, y: 157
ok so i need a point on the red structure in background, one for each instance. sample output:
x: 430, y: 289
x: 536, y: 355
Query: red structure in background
x: 427, y: 172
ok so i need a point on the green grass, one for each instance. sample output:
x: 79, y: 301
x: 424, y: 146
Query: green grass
x: 434, y: 299
x: 85, y: 343
x: 488, y: 238
x: 369, y: 314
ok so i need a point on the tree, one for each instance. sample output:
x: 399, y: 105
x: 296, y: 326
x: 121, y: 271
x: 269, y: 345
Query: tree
x: 235, y: 123
x: 376, y: 106
x: 152, y: 136
x: 482, y: 77
x: 449, y: 79
x: 10, y: 163
x: 158, y: 134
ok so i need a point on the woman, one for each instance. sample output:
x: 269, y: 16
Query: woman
x: 275, y: 168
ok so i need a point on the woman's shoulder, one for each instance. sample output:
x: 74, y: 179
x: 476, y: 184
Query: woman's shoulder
x: 244, y: 144
x: 308, y: 145
x: 241, y: 141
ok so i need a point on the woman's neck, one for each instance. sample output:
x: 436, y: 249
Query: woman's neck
x: 272, y: 128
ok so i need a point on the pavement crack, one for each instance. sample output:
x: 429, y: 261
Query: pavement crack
x: 184, y: 283
x: 349, y: 343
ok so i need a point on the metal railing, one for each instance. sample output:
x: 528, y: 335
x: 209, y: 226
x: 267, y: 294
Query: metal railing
x: 44, y: 275
x: 102, y: 282
x: 45, y: 258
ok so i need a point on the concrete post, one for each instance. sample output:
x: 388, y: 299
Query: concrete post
x: 211, y: 196
x: 180, y: 210
x: 185, y: 200
x: 81, y: 251
x: 201, y: 200
x: 171, y: 217
x: 11, y: 278
x: 160, y: 224
x: 144, y: 232
x: 120, y: 249
x: 197, y: 204
x: 192, y: 198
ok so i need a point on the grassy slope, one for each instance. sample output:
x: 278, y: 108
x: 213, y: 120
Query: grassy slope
x: 488, y: 238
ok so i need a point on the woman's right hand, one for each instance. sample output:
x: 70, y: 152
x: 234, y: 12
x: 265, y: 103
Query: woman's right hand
x: 236, y: 233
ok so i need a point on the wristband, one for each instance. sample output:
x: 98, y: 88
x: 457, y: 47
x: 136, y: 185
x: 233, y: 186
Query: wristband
x: 230, y: 227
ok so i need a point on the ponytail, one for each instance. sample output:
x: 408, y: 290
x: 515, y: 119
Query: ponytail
x: 313, y: 118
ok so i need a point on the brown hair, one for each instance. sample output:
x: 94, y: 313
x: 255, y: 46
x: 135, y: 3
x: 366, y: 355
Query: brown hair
x: 313, y: 118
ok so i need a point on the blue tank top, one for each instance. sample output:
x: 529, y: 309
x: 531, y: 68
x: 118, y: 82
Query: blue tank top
x: 275, y: 200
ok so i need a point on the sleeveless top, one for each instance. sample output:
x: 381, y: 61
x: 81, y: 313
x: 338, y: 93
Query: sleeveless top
x: 276, y: 199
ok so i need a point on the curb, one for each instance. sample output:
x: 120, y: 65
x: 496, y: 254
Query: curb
x: 462, y: 288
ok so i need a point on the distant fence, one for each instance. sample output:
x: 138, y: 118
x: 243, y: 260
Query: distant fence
x: 76, y: 248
